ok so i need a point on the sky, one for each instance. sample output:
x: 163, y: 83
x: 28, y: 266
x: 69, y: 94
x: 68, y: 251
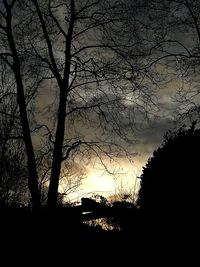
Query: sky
x: 100, y: 182
x: 148, y: 138
x: 147, y: 133
x: 126, y: 171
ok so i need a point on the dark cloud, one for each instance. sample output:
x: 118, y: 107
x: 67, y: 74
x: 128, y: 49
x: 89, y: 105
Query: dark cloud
x: 152, y: 137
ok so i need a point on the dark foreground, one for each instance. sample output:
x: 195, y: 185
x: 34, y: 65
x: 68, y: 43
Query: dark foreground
x: 48, y: 239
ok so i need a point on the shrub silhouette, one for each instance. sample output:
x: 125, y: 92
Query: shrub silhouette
x: 170, y: 179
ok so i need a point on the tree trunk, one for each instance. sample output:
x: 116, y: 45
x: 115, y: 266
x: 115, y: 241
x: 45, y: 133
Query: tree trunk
x: 31, y: 162
x: 57, y: 154
x: 60, y: 131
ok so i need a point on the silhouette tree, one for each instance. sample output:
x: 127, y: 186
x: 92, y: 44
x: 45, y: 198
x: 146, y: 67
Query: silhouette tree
x: 13, y: 173
x: 76, y: 52
x: 176, y: 25
x: 13, y: 186
x: 11, y: 56
x: 169, y: 182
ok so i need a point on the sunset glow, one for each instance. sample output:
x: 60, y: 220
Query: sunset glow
x: 101, y: 183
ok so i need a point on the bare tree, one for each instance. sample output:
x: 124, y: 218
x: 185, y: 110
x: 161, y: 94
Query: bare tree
x: 81, y: 54
x: 13, y: 174
x: 176, y: 26
x: 11, y: 56
x: 89, y: 66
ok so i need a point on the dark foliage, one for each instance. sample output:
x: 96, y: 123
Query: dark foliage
x: 170, y: 179
x: 124, y: 216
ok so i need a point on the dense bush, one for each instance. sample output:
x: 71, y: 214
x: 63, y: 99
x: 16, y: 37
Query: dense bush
x: 170, y: 179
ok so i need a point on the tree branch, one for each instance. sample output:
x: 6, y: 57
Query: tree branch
x: 194, y: 19
x: 98, y: 105
x: 72, y: 147
x: 10, y: 115
x: 48, y: 130
x: 56, y: 21
x: 2, y: 14
x: 12, y: 3
x: 87, y: 5
x: 12, y: 137
x: 48, y: 41
x: 4, y: 57
x: 7, y: 95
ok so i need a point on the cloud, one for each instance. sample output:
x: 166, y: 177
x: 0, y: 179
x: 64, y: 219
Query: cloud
x: 152, y: 137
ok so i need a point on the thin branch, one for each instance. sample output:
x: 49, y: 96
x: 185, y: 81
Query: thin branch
x: 68, y: 43
x: 12, y: 3
x: 161, y: 58
x: 3, y: 28
x: 89, y: 47
x: 7, y: 95
x: 91, y: 82
x: 98, y: 105
x: 56, y: 21
x: 82, y: 108
x: 91, y: 27
x: 48, y: 41
x: 74, y: 78
x: 6, y: 4
x: 3, y: 56
x: 10, y: 115
x: 45, y: 60
x: 72, y: 147
x: 170, y: 41
x: 48, y: 130
x: 3, y: 15
x: 12, y: 137
x: 194, y: 19
x: 87, y: 6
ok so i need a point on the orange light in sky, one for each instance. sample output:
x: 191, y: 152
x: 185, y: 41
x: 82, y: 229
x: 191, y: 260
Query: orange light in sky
x: 102, y: 183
